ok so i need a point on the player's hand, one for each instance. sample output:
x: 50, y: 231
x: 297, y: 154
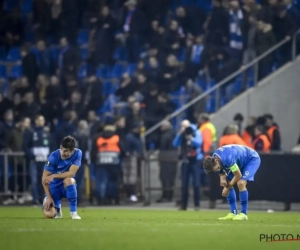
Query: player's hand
x: 48, y: 179
x: 223, y: 182
x: 48, y: 204
x: 225, y: 192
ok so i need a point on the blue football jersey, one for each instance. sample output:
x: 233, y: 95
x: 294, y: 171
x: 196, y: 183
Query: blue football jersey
x: 57, y: 165
x: 234, y: 155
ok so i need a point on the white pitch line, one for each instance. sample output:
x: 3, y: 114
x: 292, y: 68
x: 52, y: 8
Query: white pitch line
x: 158, y: 227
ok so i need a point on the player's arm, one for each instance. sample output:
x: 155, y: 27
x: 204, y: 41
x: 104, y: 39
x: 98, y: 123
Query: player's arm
x: 69, y: 174
x: 223, y: 179
x: 237, y: 175
x: 46, y: 187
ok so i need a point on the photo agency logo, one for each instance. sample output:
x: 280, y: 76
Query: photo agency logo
x: 279, y: 237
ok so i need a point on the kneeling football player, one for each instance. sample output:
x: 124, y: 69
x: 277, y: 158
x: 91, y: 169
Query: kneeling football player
x: 58, y: 179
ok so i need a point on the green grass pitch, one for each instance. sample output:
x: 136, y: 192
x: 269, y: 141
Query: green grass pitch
x: 142, y: 229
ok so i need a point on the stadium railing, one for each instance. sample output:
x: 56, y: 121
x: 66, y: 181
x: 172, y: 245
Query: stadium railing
x: 215, y: 90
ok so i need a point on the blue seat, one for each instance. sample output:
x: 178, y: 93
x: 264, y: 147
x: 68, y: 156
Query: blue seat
x: 16, y: 71
x: 117, y: 70
x: 14, y: 54
x: 4, y: 87
x: 82, y: 72
x: 26, y: 6
x: 131, y: 68
x: 202, y: 84
x: 83, y: 37
x: 210, y: 105
x: 238, y: 86
x: 104, y: 72
x: 3, y: 73
x: 108, y: 88
x: 84, y: 53
x: 2, y: 54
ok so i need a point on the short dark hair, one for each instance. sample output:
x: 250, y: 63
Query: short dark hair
x: 208, y: 164
x: 68, y: 142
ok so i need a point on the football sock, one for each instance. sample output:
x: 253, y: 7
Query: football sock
x: 57, y: 206
x: 231, y: 198
x: 244, y: 201
x: 72, y: 197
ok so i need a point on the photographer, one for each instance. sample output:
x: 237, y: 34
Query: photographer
x: 189, y: 139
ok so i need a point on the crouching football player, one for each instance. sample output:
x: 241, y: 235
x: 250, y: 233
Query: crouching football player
x: 58, y: 179
x: 236, y: 164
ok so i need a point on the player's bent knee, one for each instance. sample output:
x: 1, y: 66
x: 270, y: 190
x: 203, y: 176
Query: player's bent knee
x: 69, y: 181
x: 241, y: 184
x: 50, y: 213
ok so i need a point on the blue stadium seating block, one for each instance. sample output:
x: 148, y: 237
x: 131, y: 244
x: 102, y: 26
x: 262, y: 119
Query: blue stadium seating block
x: 14, y: 54
x: 16, y: 71
x: 3, y: 73
x: 83, y: 37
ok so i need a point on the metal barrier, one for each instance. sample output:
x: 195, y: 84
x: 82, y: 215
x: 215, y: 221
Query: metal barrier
x: 13, y: 172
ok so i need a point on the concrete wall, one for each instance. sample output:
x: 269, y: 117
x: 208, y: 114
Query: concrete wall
x: 278, y: 94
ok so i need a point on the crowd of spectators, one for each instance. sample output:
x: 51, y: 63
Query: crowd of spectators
x: 79, y: 63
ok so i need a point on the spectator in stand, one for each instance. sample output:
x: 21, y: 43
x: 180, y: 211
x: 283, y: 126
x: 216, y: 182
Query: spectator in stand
x: 45, y: 60
x: 231, y: 136
x: 93, y: 98
x: 217, y: 25
x: 14, y: 29
x: 5, y: 104
x: 103, y: 37
x: 248, y: 133
x: 273, y: 132
x: 153, y: 70
x: 264, y: 39
x: 29, y: 65
x: 68, y: 60
x: 5, y: 128
x: 238, y: 27
x: 261, y: 142
x: 30, y: 107
x: 191, y: 20
x: 42, y: 17
x: 193, y: 90
x: 194, y: 56
x: 76, y: 104
x: 135, y: 26
x: 169, y: 75
x: 172, y: 39
x: 238, y: 120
